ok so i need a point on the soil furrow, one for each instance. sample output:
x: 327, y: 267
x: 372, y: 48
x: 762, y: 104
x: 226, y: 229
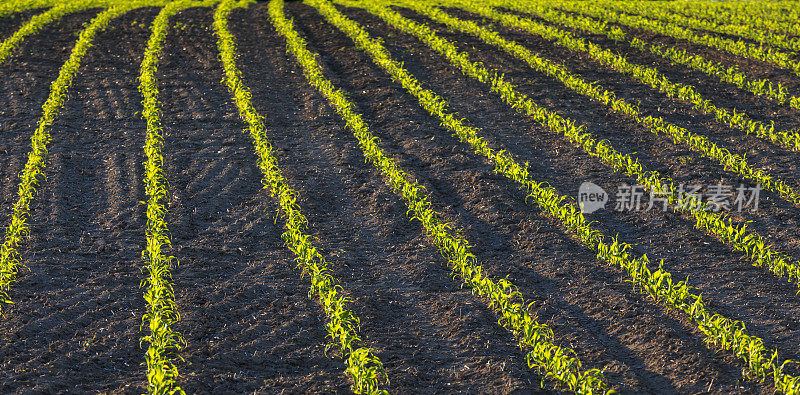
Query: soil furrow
x: 27, y: 75
x: 75, y: 322
x: 248, y: 322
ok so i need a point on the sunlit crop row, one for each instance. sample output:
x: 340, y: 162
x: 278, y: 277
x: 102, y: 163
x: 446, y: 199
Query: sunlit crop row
x: 163, y: 341
x: 39, y: 21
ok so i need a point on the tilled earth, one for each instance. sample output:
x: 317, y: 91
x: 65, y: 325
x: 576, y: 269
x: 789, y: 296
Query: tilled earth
x: 247, y: 319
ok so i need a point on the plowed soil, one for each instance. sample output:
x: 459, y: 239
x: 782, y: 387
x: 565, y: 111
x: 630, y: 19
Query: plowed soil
x: 246, y: 316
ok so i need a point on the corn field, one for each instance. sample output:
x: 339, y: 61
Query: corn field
x: 390, y: 196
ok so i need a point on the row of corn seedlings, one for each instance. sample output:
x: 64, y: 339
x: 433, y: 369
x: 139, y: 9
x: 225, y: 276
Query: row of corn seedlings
x: 737, y: 236
x: 737, y: 47
x: 722, y: 331
x: 10, y: 7
x: 725, y: 333
x: 363, y: 365
x: 649, y: 76
x: 551, y: 360
x: 33, y: 173
x: 39, y: 21
x: 759, y: 86
x: 655, y: 11
x: 162, y: 313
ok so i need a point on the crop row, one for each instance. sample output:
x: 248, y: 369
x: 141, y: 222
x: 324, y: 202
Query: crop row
x: 736, y: 47
x: 727, y: 334
x: 363, y: 366
x: 13, y: 6
x: 9, y: 7
x: 162, y: 313
x: 552, y: 360
x: 759, y: 86
x: 654, y: 11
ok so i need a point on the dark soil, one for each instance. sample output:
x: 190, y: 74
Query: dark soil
x: 249, y: 324
x: 74, y: 325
